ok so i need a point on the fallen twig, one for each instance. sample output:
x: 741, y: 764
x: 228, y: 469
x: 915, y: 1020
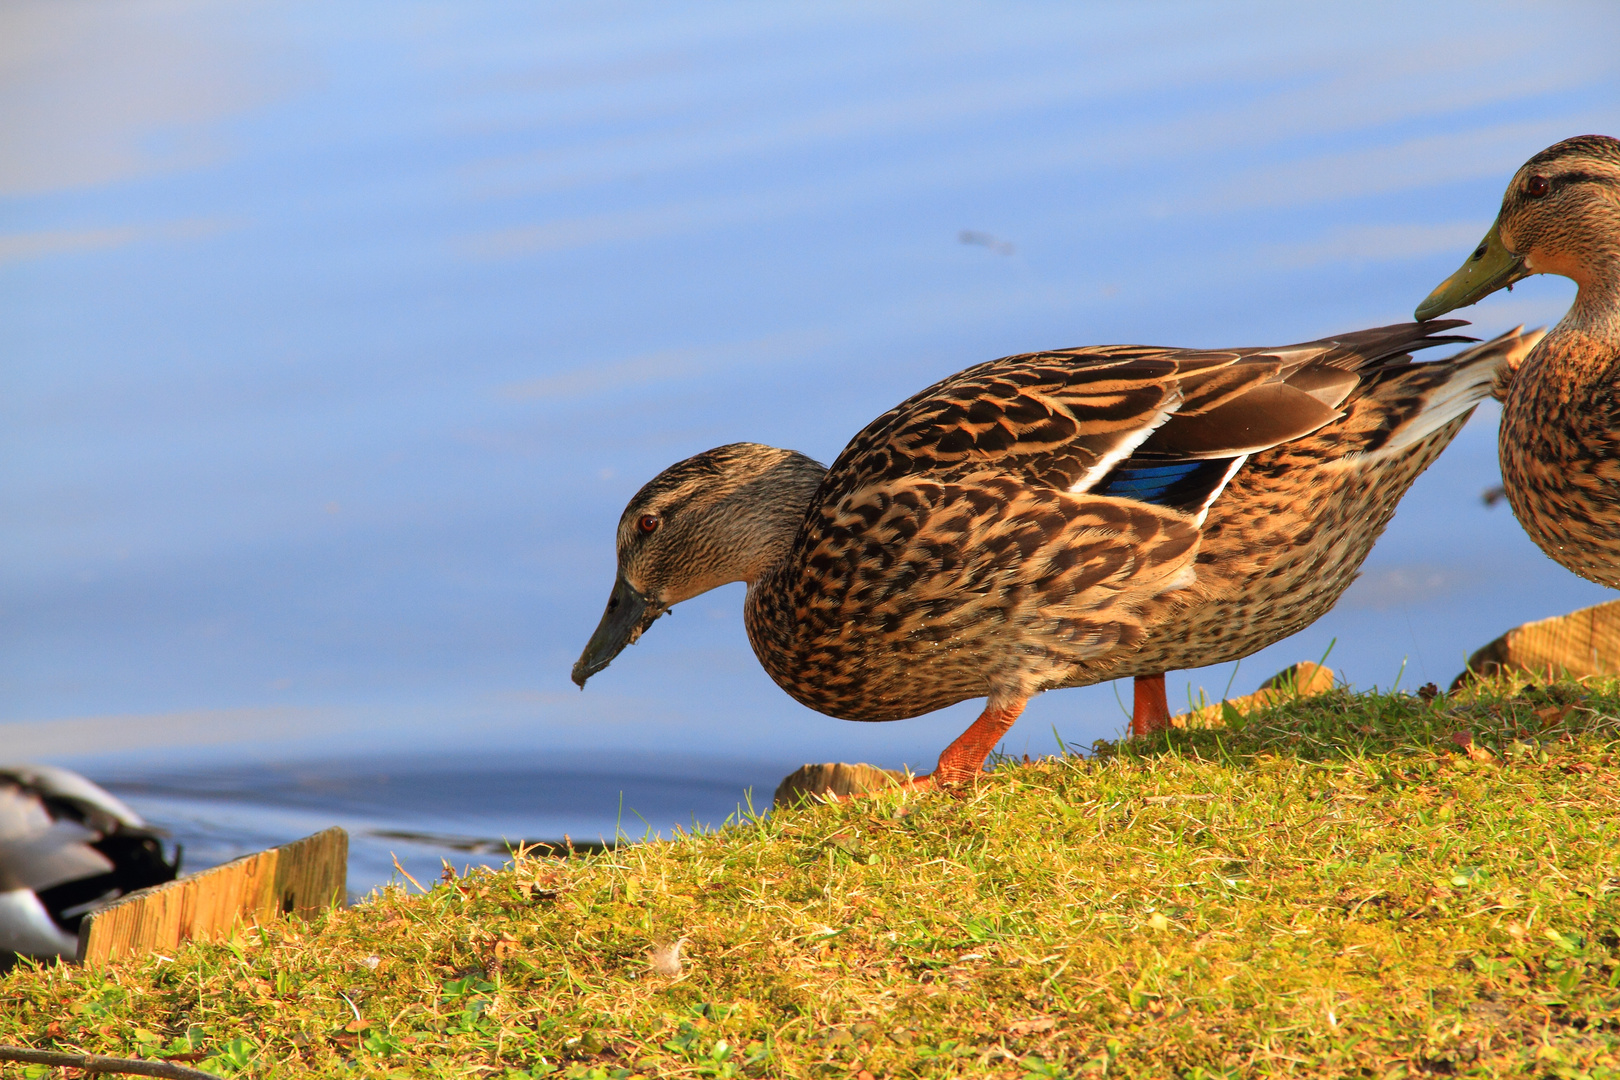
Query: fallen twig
x: 95, y: 1063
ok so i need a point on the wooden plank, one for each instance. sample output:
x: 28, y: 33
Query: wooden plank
x: 832, y: 778
x: 1580, y: 644
x: 1303, y: 679
x: 312, y: 874
x: 300, y: 878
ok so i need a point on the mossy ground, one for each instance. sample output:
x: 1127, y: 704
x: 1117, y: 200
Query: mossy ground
x: 1334, y: 887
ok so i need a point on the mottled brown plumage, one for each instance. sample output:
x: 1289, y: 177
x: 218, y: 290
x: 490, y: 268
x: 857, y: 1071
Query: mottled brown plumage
x: 1051, y: 519
x: 1560, y: 436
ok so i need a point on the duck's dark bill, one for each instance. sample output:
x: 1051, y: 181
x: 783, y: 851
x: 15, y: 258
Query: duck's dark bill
x: 1492, y: 266
x: 628, y: 614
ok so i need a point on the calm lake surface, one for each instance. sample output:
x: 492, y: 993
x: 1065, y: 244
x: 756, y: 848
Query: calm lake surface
x: 335, y: 338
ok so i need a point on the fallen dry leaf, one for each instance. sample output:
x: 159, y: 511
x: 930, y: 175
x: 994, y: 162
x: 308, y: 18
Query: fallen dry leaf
x: 1553, y: 714
x: 1031, y: 1026
x: 1465, y: 740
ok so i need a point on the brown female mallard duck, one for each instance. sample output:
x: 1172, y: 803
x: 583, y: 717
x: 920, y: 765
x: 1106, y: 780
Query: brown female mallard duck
x: 1052, y: 519
x: 1560, y: 435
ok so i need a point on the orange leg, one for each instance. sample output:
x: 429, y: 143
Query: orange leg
x: 1152, y: 709
x: 964, y: 758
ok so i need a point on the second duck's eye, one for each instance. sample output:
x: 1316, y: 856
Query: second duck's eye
x: 648, y: 523
x: 1536, y: 186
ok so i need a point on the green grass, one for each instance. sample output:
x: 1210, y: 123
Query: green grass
x: 1333, y: 887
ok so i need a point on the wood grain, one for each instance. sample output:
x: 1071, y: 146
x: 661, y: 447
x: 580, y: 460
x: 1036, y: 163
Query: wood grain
x: 299, y: 878
x: 832, y: 778
x: 1577, y: 645
x: 1303, y: 679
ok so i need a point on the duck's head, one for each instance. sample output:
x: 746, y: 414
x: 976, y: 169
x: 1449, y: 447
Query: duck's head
x: 1561, y: 215
x: 727, y: 514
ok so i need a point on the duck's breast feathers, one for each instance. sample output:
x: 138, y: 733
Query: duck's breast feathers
x: 912, y: 594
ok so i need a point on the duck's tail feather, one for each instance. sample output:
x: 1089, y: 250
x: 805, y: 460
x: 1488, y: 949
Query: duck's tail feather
x: 1423, y: 398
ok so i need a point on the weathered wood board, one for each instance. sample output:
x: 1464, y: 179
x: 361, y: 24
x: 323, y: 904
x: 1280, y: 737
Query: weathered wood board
x: 300, y: 878
x: 835, y: 778
x: 1580, y: 644
x: 1304, y: 679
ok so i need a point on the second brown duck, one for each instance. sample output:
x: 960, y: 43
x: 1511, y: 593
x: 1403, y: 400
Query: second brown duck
x: 1560, y: 437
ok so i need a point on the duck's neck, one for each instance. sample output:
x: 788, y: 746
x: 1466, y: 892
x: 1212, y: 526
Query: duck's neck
x: 1580, y: 356
x: 760, y: 519
x: 1588, y: 253
x: 1596, y: 311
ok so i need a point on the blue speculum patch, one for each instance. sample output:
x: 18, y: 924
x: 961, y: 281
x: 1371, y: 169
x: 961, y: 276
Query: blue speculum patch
x: 1176, y: 484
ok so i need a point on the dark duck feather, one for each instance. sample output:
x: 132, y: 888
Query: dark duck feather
x: 1560, y: 437
x: 1052, y: 519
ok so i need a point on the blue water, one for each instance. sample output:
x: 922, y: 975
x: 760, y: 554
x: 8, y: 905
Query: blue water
x: 335, y: 338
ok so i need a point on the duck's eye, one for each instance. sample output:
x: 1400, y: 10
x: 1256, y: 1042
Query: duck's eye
x: 648, y: 523
x: 1536, y: 186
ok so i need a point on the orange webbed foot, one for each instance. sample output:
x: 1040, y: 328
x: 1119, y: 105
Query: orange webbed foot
x: 963, y: 760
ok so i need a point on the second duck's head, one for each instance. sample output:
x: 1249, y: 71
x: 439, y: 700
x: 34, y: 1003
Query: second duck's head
x: 1560, y: 215
x: 727, y: 514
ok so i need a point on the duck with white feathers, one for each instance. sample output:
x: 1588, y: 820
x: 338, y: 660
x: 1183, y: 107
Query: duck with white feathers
x: 67, y: 846
x: 1053, y: 519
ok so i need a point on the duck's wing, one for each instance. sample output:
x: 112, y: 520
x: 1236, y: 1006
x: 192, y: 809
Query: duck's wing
x: 88, y: 802
x: 37, y: 852
x: 1160, y: 425
x: 1060, y: 419
x: 27, y: 928
x: 1175, y: 466
x: 60, y: 854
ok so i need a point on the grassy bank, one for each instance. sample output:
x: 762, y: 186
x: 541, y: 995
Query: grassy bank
x: 1358, y: 885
